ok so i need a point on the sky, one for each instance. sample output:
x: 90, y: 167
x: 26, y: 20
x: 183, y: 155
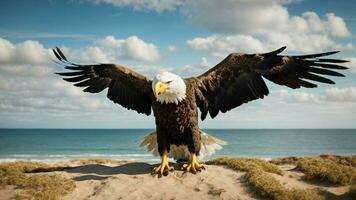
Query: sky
x: 181, y: 36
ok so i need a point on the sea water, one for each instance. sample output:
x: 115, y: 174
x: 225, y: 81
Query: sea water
x: 123, y: 144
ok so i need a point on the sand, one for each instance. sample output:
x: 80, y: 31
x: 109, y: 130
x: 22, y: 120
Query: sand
x: 134, y: 181
x: 123, y: 180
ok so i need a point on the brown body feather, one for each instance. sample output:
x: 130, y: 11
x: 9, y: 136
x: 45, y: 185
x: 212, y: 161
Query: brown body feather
x: 234, y: 81
x: 178, y: 123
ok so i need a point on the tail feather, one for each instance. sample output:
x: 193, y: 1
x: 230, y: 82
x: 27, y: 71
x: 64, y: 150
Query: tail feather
x: 150, y: 141
x: 209, y: 145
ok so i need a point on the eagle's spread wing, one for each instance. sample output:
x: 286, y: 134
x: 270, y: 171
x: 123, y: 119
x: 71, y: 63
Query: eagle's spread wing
x: 238, y: 78
x: 126, y: 87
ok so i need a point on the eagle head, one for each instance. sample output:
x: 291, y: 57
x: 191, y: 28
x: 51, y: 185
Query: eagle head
x: 168, y: 88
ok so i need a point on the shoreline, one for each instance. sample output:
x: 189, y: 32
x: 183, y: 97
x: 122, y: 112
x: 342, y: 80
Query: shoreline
x: 145, y: 157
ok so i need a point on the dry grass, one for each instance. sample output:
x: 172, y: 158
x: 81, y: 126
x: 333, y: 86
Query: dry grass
x: 14, y: 173
x: 34, y: 186
x: 44, y: 186
x: 327, y: 170
x: 271, y: 188
x: 257, y: 174
x: 266, y: 185
x: 342, y: 160
x: 353, y: 191
x: 246, y: 164
x: 292, y: 160
x: 304, y: 195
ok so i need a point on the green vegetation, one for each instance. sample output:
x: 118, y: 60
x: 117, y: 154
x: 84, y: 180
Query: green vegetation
x: 257, y: 174
x: 34, y: 186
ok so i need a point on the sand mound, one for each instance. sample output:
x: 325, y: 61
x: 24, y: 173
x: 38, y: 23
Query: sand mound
x: 134, y: 181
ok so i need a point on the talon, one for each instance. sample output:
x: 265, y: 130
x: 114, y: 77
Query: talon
x: 193, y: 166
x: 163, y: 168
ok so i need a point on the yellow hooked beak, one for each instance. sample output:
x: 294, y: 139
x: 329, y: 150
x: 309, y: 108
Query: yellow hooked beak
x: 159, y: 88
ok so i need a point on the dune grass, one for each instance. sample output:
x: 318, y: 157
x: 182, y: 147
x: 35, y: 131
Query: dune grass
x: 246, y: 164
x: 332, y: 169
x: 326, y: 170
x: 14, y: 173
x: 291, y: 160
x: 257, y: 174
x: 342, y: 160
x: 34, y: 186
x: 353, y: 190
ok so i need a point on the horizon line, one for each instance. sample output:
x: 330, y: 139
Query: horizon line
x: 201, y: 128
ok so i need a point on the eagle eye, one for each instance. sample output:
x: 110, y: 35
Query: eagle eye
x: 168, y: 82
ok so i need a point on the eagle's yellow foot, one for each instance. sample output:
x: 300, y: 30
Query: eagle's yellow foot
x: 164, y: 167
x: 194, y: 165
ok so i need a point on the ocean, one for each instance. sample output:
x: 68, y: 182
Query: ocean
x: 122, y: 144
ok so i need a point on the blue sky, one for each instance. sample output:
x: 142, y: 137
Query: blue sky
x: 186, y: 37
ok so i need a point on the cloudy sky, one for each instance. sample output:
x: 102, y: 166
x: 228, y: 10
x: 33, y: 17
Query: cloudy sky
x: 185, y: 37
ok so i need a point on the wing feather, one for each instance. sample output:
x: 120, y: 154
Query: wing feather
x: 125, y: 87
x: 238, y: 78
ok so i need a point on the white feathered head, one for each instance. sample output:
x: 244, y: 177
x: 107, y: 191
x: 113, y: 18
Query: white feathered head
x: 169, y: 88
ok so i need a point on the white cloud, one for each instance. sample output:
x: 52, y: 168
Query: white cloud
x: 257, y: 26
x: 149, y: 70
x: 26, y: 70
x: 337, y: 26
x: 204, y: 62
x: 237, y: 16
x: 156, y: 5
x: 340, y: 94
x: 92, y: 54
x: 220, y: 46
x: 352, y: 64
x: 172, y: 48
x: 44, y: 94
x: 252, y: 25
x: 252, y: 16
x: 28, y: 86
x: 195, y: 69
x: 27, y: 52
x: 108, y: 49
x: 332, y: 95
x: 132, y: 48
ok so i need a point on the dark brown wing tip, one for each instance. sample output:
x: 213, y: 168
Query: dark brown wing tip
x: 61, y: 54
x: 316, y: 55
x: 332, y: 60
x: 275, y: 52
x: 56, y: 54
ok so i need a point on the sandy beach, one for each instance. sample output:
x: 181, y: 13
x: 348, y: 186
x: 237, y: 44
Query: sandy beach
x: 105, y: 179
x: 134, y: 181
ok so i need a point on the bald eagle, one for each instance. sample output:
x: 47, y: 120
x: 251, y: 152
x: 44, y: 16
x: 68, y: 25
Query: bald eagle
x: 237, y: 79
